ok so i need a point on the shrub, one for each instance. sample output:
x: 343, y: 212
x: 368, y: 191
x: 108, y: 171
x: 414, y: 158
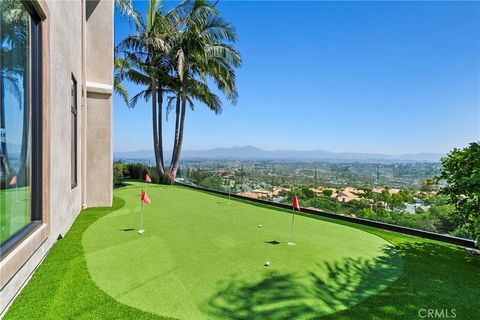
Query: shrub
x: 120, y: 171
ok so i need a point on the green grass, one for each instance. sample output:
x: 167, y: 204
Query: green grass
x: 14, y: 211
x: 202, y: 257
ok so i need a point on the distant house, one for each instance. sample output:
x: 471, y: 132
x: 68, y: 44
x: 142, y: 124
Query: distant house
x: 390, y: 190
x: 60, y: 128
x: 249, y: 194
x: 346, y: 196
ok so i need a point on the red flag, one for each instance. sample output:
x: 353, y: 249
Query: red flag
x: 295, y: 204
x: 147, y: 179
x: 13, y: 181
x: 145, y: 198
x: 172, y: 175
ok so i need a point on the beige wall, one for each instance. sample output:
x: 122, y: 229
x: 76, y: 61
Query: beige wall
x: 99, y: 48
x: 99, y: 150
x: 66, y: 56
x: 99, y: 72
x: 91, y: 63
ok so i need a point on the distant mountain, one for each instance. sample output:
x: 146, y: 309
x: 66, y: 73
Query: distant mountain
x: 134, y: 155
x: 253, y: 153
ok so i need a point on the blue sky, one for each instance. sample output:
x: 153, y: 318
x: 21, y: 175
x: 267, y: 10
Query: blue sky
x: 343, y: 76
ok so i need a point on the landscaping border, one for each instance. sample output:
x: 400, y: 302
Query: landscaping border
x: 377, y: 224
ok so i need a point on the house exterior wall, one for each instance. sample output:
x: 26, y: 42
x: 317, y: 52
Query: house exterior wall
x: 99, y: 73
x: 71, y: 45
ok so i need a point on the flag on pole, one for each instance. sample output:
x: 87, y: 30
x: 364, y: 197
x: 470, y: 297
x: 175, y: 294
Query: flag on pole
x: 295, y: 204
x: 295, y: 207
x: 145, y: 198
x: 147, y: 178
x: 172, y: 175
x: 13, y: 181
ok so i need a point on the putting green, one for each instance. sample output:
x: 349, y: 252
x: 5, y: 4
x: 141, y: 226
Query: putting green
x: 202, y: 257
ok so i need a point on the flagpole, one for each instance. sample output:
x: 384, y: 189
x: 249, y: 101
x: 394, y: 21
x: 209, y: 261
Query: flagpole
x: 291, y: 228
x: 141, y: 231
x: 141, y: 219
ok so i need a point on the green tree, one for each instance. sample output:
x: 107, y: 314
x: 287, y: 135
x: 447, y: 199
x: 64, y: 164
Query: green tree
x: 201, y: 51
x: 366, y: 213
x: 461, y: 172
x: 120, y: 170
x: 406, y: 196
x: 327, y: 192
x: 142, y: 58
x: 212, y: 182
x: 428, y: 185
x: 396, y: 201
x: 178, y: 53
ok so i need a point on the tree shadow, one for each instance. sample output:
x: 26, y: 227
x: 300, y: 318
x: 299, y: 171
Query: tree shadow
x: 437, y: 276
x: 307, y: 294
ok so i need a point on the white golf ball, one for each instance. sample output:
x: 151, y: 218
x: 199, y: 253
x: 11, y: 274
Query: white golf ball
x: 259, y: 225
x: 267, y: 263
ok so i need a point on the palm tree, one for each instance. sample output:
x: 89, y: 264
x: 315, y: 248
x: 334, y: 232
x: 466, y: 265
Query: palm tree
x: 176, y: 54
x: 201, y: 50
x: 141, y: 59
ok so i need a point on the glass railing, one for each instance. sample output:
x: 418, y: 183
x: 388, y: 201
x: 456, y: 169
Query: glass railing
x: 404, y: 194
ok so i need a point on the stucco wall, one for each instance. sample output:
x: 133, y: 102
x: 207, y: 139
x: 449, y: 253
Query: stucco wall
x: 99, y: 150
x: 100, y: 42
x: 66, y: 59
x: 65, y: 27
x: 99, y: 71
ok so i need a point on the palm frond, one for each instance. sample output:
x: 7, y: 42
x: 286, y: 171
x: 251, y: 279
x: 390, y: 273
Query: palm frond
x: 144, y: 93
x: 127, y: 10
x: 170, y: 106
x: 12, y: 84
x: 120, y: 89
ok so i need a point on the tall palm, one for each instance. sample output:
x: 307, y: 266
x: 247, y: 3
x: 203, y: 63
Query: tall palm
x: 201, y: 51
x: 141, y: 58
x: 176, y: 54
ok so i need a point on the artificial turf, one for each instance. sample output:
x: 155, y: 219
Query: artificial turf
x: 434, y: 275
x: 197, y: 245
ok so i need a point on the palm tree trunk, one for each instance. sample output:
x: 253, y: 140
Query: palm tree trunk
x: 154, y: 123
x: 4, y: 162
x: 177, y: 124
x: 160, y: 129
x: 22, y: 174
x: 178, y: 149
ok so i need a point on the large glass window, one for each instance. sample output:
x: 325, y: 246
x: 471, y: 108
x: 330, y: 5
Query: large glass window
x: 19, y: 120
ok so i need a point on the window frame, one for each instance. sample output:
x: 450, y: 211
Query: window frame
x: 35, y: 85
x: 74, y: 132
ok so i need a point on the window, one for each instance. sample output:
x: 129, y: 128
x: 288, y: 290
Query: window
x: 20, y: 122
x: 73, y: 142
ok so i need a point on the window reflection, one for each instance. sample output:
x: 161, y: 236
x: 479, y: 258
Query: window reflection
x: 15, y: 122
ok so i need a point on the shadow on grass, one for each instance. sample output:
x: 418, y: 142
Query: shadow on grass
x: 305, y: 295
x: 435, y: 276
